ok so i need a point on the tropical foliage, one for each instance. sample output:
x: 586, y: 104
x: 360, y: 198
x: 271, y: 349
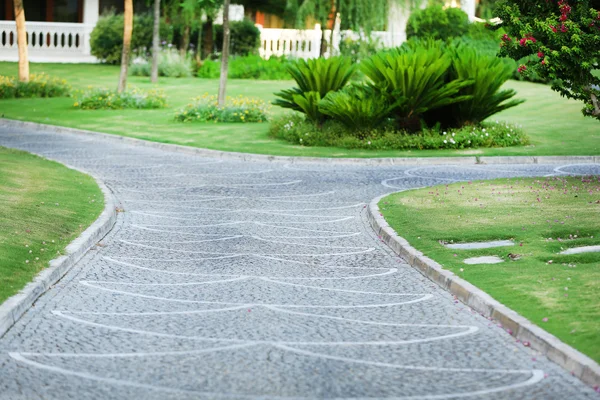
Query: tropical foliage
x: 484, y: 97
x: 561, y: 39
x: 315, y: 79
x: 358, y: 107
x: 417, y: 76
x: 423, y: 89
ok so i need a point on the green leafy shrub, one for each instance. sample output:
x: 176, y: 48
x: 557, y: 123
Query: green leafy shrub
x: 415, y: 78
x: 438, y: 23
x: 249, y: 67
x: 532, y: 74
x: 484, y: 97
x: 211, y: 69
x: 481, y: 37
x: 170, y: 64
x: 360, y: 108
x: 320, y: 76
x: 358, y: 49
x: 565, y: 37
x: 105, y: 99
x: 39, y: 85
x: 244, y: 39
x: 106, y: 40
x: 298, y: 130
x: 237, y: 109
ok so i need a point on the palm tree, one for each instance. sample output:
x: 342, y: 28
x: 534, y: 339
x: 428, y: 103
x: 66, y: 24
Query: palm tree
x: 225, y: 54
x: 155, y: 40
x: 22, y: 41
x: 128, y: 29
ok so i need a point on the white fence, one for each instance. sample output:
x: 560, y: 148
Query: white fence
x: 306, y: 43
x: 69, y: 42
x: 47, y: 42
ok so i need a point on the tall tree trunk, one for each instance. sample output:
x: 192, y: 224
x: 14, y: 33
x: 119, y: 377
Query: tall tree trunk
x: 224, y: 54
x: 207, y: 37
x: 22, y: 41
x: 323, y: 48
x: 155, y: 42
x: 335, y: 11
x: 128, y: 29
x: 185, y: 41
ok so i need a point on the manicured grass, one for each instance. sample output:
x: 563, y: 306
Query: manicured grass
x: 543, y: 216
x: 43, y: 207
x: 555, y: 125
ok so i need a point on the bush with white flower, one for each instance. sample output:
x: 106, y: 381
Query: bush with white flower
x: 295, y: 129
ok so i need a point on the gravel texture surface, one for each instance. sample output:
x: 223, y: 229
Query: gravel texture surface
x: 247, y: 280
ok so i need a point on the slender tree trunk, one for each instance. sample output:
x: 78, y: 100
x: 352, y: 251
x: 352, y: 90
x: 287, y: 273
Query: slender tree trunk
x: 155, y: 42
x: 224, y: 54
x: 128, y: 29
x: 207, y: 37
x: 323, y: 48
x: 22, y: 41
x: 185, y: 41
x: 335, y: 12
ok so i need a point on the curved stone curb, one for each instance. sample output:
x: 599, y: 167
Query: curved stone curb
x: 466, y: 160
x: 14, y: 307
x: 518, y: 326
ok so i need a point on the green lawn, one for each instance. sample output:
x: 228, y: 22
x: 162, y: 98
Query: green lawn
x: 555, y: 125
x: 543, y: 216
x: 43, y: 207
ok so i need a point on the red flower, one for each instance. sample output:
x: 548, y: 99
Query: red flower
x: 540, y: 54
x: 522, y: 68
x: 563, y: 28
x: 553, y: 28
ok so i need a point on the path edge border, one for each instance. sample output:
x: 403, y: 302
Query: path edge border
x: 17, y: 305
x: 459, y: 160
x: 570, y: 359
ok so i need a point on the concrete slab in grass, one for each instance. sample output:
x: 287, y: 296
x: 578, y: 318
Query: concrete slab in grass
x: 480, y: 245
x: 581, y: 250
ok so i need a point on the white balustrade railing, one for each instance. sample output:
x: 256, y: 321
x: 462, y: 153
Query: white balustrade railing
x: 299, y: 43
x: 306, y: 43
x: 47, y: 40
x: 69, y: 42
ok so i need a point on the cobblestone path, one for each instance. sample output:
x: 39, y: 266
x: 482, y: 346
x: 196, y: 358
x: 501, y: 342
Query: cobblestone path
x: 233, y: 280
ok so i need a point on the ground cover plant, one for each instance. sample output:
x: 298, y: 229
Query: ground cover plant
x: 554, y: 125
x: 43, y: 207
x: 295, y: 129
x: 106, y: 99
x: 543, y: 216
x: 236, y: 109
x: 39, y: 85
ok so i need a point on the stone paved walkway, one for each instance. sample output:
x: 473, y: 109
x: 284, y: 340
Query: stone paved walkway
x: 231, y: 280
